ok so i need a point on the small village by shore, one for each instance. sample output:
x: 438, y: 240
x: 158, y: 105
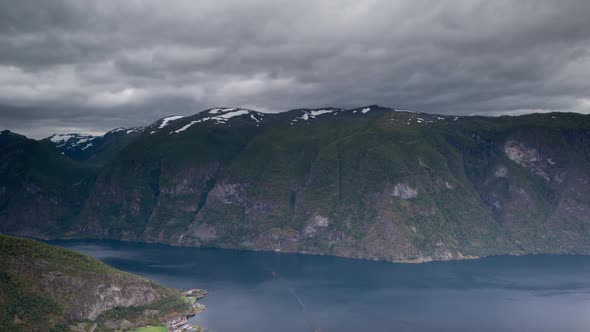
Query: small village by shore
x: 180, y: 323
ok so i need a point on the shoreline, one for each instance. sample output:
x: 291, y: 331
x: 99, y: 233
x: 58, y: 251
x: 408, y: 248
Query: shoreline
x: 180, y: 321
x: 423, y: 260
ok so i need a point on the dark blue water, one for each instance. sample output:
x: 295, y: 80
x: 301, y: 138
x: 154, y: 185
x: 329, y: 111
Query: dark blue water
x: 256, y: 291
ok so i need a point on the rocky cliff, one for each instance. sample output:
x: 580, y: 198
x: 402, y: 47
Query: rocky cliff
x: 371, y: 182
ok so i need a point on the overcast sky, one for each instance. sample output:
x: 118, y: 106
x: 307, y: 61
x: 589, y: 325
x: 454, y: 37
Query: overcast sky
x: 90, y: 66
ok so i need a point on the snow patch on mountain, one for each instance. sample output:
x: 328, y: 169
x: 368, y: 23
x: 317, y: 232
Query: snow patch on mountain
x: 222, y: 118
x: 320, y: 112
x: 70, y: 141
x: 219, y: 110
x: 116, y: 130
x: 185, y: 127
x: 233, y: 114
x: 58, y: 138
x: 132, y: 130
x: 84, y: 140
x: 312, y: 114
x: 167, y: 120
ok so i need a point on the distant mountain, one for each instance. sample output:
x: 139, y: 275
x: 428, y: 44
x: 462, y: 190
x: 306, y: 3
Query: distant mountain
x: 68, y: 142
x: 94, y: 149
x: 370, y: 182
x: 47, y: 288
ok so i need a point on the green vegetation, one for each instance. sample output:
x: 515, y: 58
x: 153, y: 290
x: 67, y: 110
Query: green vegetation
x: 21, y: 251
x: 22, y: 308
x: 44, y: 287
x: 381, y: 185
x: 151, y: 329
x: 189, y: 299
x: 165, y: 307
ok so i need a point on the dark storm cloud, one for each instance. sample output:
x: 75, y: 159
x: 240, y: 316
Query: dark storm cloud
x: 93, y: 65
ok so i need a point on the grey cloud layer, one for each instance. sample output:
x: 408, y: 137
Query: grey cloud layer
x: 94, y: 65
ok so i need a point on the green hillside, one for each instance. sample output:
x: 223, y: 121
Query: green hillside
x: 47, y: 288
x: 369, y: 183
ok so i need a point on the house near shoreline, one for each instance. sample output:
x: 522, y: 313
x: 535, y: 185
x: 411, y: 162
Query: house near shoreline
x: 176, y: 323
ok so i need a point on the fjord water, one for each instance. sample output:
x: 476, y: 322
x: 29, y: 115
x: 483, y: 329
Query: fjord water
x: 261, y: 291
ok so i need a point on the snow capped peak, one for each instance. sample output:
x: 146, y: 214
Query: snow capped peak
x: 57, y: 138
x: 167, y: 120
x: 233, y: 113
x: 116, y: 130
x: 126, y: 131
x: 312, y: 114
x: 222, y: 110
x: 221, y: 116
x: 71, y: 141
x: 320, y: 112
x: 365, y: 110
x: 132, y: 130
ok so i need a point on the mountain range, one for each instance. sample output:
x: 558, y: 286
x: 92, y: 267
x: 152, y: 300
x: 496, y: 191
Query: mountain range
x: 370, y: 182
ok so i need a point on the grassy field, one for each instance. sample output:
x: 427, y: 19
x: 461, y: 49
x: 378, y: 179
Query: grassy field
x: 189, y: 299
x: 152, y: 329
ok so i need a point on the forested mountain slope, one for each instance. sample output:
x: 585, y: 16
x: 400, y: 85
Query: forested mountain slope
x: 370, y: 182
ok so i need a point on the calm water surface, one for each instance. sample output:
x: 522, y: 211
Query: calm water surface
x: 256, y: 291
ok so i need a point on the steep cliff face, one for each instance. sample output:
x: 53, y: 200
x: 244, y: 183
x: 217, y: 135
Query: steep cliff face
x: 42, y: 286
x: 369, y: 183
x: 97, y: 294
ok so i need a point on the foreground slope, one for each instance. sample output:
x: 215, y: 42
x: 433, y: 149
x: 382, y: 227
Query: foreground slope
x: 45, y: 288
x: 370, y: 182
